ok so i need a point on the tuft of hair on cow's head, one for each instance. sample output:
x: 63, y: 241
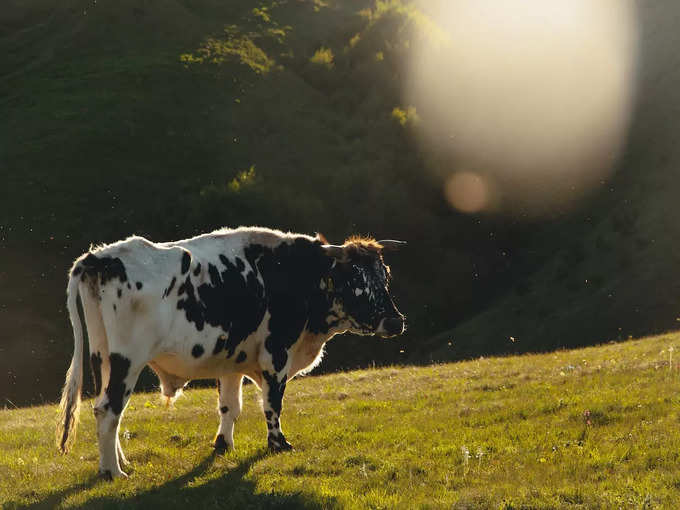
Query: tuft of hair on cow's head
x: 359, y: 282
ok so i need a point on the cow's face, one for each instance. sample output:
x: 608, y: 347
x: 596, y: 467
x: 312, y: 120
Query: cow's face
x: 361, y: 285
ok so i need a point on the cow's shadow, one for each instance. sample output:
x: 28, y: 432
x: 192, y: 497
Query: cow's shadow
x: 231, y: 490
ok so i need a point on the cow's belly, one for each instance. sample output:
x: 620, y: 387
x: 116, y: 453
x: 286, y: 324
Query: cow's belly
x: 191, y: 354
x: 212, y: 366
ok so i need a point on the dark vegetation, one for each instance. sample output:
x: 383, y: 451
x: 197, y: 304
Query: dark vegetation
x: 170, y: 118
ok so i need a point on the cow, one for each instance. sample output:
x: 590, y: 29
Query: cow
x: 247, y: 302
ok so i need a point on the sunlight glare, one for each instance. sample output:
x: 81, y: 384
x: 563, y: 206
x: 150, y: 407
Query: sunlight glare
x: 536, y: 95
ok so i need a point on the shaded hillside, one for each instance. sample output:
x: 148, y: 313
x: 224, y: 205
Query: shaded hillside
x: 167, y: 119
x: 613, y: 267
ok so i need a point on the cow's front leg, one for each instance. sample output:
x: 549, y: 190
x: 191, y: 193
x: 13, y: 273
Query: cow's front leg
x: 229, y: 407
x: 273, y: 386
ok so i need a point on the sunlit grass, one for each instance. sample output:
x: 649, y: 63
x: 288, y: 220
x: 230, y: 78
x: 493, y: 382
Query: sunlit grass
x: 323, y: 57
x: 597, y: 427
x: 405, y: 116
x: 233, y: 45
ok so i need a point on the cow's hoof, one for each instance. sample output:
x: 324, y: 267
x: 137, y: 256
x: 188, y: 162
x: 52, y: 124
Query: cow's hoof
x: 221, y: 446
x: 109, y: 476
x: 279, y: 445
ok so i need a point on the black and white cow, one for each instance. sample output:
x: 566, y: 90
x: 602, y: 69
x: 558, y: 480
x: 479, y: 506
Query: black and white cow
x: 247, y: 302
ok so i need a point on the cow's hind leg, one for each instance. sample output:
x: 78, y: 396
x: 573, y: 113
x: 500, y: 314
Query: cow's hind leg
x: 229, y: 407
x: 109, y: 409
x: 99, y: 354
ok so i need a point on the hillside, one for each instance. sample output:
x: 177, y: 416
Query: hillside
x: 608, y: 269
x: 589, y: 428
x: 174, y: 118
x: 170, y: 118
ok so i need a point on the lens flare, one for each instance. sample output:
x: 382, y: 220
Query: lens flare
x: 468, y: 192
x: 535, y: 95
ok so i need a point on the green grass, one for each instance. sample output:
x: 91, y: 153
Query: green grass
x: 591, y: 428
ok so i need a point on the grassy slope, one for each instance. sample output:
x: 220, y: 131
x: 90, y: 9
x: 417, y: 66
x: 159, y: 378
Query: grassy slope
x: 107, y: 131
x: 391, y: 438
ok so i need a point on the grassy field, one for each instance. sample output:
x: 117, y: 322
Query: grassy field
x: 591, y: 428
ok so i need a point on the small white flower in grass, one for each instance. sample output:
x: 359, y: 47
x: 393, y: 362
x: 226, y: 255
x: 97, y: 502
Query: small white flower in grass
x: 466, y: 458
x: 670, y: 358
x: 478, y: 455
x: 362, y: 470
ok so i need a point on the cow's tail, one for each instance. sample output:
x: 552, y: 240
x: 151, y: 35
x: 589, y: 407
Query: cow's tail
x: 69, y: 408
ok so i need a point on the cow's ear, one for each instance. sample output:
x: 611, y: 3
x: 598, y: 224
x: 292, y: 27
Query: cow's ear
x: 339, y: 253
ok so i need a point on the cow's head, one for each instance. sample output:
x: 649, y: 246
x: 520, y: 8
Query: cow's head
x: 359, y: 282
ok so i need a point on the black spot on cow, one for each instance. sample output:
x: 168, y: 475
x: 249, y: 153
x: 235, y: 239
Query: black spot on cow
x: 224, y: 409
x: 231, y: 345
x: 128, y: 392
x: 115, y: 307
x: 230, y: 301
x: 197, y: 351
x: 241, y: 357
x: 197, y: 271
x: 96, y: 365
x: 268, y: 415
x: 77, y: 270
x: 106, y: 268
x: 167, y: 291
x: 186, y: 261
x: 120, y: 292
x: 138, y: 285
x: 219, y: 345
x: 128, y: 286
x: 269, y: 426
x: 120, y: 365
x: 220, y: 444
x: 276, y: 389
x: 240, y: 265
x: 191, y: 306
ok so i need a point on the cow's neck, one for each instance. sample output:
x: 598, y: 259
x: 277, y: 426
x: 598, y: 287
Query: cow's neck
x: 309, y: 351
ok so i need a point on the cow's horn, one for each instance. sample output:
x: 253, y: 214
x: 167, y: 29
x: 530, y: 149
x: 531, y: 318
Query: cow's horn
x: 391, y: 244
x: 335, y: 251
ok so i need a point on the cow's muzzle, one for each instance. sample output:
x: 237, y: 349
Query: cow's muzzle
x: 390, y: 326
